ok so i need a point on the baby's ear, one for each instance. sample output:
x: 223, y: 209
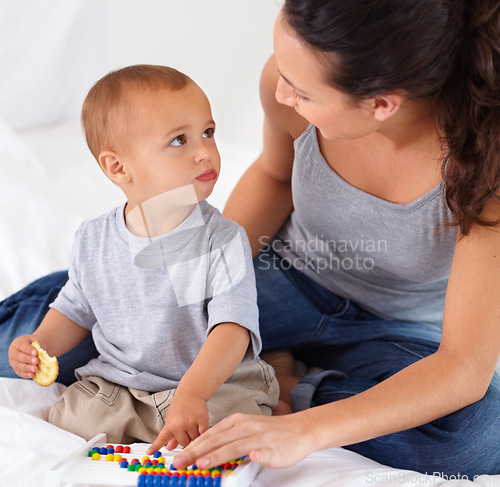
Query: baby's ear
x: 113, y: 167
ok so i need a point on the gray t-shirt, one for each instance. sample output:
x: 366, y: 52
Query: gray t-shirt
x: 392, y: 259
x: 150, y: 303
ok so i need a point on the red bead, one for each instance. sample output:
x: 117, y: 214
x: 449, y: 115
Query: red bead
x: 126, y: 449
x: 119, y: 449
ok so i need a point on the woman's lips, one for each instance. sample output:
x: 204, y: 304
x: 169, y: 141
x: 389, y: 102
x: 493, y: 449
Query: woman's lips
x: 209, y: 175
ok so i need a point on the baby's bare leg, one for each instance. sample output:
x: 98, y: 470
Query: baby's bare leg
x: 283, y: 363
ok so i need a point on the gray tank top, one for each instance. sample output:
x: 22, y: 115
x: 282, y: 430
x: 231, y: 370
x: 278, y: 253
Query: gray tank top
x: 392, y: 259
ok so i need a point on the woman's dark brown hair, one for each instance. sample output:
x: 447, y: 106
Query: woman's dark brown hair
x: 444, y: 50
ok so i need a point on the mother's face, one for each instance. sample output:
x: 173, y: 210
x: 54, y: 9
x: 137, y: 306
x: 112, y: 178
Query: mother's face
x: 303, y: 86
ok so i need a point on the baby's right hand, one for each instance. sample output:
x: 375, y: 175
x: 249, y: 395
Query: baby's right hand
x: 23, y: 358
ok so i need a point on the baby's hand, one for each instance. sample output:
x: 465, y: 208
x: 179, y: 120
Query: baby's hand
x: 23, y: 358
x: 185, y: 420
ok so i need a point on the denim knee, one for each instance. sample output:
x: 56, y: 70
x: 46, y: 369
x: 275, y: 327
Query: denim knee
x: 465, y: 443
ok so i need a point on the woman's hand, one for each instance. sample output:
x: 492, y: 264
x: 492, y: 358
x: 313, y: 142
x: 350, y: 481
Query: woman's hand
x: 275, y: 442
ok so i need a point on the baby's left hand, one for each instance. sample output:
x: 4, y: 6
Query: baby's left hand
x: 185, y: 420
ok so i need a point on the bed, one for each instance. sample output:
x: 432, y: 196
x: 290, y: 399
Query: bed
x: 49, y: 184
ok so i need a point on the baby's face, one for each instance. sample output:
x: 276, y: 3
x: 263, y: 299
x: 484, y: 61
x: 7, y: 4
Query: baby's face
x: 172, y: 144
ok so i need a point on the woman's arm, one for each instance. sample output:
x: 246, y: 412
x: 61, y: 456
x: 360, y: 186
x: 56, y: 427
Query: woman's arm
x: 262, y: 199
x: 457, y: 375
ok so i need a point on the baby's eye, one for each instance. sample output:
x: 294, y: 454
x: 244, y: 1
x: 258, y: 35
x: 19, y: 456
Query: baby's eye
x: 179, y: 140
x: 209, y: 133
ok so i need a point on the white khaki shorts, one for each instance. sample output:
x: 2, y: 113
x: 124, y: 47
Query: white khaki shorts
x: 94, y: 405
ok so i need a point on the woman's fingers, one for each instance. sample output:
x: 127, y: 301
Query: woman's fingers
x: 271, y: 441
x: 232, y: 438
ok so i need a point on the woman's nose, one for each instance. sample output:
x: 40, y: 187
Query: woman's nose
x: 284, y: 93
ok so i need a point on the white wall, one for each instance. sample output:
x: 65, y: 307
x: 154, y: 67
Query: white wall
x: 221, y: 44
x: 52, y: 51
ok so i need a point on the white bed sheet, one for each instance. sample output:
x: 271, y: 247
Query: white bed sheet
x: 49, y: 184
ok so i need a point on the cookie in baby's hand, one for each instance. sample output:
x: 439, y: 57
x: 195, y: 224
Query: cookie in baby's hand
x: 48, y: 367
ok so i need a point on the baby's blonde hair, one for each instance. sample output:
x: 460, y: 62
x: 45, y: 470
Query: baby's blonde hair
x: 108, y: 105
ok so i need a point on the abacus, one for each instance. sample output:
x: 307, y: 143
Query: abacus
x: 98, y: 463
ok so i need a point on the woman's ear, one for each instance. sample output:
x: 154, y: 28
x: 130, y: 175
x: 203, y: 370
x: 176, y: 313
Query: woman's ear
x: 112, y: 166
x: 385, y: 106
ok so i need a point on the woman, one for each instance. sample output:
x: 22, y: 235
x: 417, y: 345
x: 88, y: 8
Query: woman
x: 393, y: 107
x: 388, y: 113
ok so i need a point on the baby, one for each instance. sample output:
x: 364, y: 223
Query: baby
x: 164, y: 282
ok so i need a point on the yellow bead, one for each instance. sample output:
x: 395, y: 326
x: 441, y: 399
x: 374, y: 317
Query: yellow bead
x: 96, y: 456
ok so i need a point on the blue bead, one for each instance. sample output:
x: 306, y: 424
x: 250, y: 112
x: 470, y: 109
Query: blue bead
x: 123, y: 464
x: 174, y: 482
x: 182, y: 481
x: 208, y: 482
x: 157, y: 482
x: 141, y: 482
x: 149, y: 480
x: 165, y: 481
x: 200, y: 482
x: 156, y: 454
x: 110, y: 450
x: 217, y: 481
x: 103, y: 451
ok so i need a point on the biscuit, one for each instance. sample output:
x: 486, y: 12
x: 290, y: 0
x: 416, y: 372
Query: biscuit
x: 48, y: 367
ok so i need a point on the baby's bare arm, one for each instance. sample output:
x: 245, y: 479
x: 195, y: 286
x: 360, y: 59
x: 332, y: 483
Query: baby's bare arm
x: 57, y: 334
x: 220, y: 355
x: 218, y: 358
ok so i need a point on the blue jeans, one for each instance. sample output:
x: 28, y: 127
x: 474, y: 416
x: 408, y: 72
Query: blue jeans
x: 21, y: 313
x: 357, y: 350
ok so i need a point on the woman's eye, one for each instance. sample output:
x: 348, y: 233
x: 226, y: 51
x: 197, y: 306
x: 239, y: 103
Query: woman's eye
x: 300, y: 97
x: 178, y: 141
x: 209, y: 133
